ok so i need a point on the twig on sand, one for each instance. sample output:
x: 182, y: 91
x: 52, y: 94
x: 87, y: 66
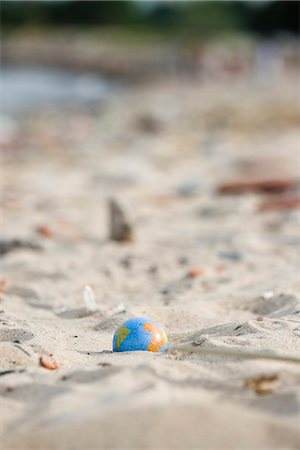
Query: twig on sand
x: 192, y: 347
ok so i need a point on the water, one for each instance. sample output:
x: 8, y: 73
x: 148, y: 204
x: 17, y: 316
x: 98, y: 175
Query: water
x: 25, y: 89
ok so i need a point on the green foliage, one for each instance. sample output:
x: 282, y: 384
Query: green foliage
x: 200, y: 18
x: 210, y: 17
x: 28, y: 13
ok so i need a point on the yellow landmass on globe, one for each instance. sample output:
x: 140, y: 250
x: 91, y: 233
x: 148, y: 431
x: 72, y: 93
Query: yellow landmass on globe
x: 122, y: 333
x: 159, y: 338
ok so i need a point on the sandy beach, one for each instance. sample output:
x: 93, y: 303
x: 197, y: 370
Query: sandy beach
x: 218, y: 267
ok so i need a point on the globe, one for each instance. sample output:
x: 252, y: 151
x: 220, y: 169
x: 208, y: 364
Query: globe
x: 140, y: 334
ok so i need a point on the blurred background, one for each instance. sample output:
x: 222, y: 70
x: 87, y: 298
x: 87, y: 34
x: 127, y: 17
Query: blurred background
x: 138, y: 75
x: 65, y: 52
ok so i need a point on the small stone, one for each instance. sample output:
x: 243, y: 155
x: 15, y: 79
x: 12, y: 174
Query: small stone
x: 148, y: 124
x: 165, y: 291
x: 9, y: 245
x: 183, y: 260
x: 200, y: 341
x: 263, y: 384
x: 153, y: 269
x: 197, y: 272
x: 126, y: 262
x: 266, y: 295
x: 44, y: 231
x: 119, y: 228
x: 48, y: 362
x: 105, y: 364
x: 121, y: 308
x: 188, y: 189
x: 230, y: 255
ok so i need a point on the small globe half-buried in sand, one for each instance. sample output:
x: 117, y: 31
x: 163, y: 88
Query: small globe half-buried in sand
x: 140, y: 334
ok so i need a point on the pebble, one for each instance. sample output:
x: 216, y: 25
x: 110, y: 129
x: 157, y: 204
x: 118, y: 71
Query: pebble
x: 119, y: 228
x: 231, y: 255
x: 266, y: 295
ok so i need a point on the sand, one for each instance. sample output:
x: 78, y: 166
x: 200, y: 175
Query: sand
x: 59, y: 169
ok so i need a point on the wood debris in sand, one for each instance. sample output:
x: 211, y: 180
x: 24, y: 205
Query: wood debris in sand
x: 262, y: 385
x: 119, y: 228
x: 270, y: 186
x: 281, y: 203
